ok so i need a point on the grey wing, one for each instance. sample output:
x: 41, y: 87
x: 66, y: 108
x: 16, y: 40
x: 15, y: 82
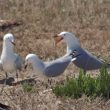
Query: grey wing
x: 19, y: 62
x: 57, y: 67
x: 87, y: 61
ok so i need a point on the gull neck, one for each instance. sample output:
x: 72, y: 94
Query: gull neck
x: 38, y: 65
x: 7, y: 47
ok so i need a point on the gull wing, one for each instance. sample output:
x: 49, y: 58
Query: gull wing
x: 19, y: 62
x: 56, y: 67
x: 87, y: 61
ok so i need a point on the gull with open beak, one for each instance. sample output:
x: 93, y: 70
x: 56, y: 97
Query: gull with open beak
x: 86, y: 61
x: 10, y: 61
x: 49, y: 69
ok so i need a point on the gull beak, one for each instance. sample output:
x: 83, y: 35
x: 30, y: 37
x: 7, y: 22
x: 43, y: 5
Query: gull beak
x: 13, y: 42
x: 25, y: 66
x: 58, y: 39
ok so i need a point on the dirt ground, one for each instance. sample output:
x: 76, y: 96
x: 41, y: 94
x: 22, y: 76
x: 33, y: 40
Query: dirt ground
x: 40, y: 20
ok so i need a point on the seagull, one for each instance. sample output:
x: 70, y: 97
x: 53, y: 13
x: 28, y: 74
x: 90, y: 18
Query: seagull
x: 10, y: 61
x: 52, y: 68
x: 86, y: 60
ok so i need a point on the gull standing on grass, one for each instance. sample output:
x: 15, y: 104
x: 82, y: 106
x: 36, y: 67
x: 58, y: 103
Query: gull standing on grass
x: 52, y: 68
x: 10, y: 61
x: 86, y: 60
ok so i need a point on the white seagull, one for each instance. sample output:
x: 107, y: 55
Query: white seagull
x: 49, y: 69
x: 86, y: 60
x: 10, y: 61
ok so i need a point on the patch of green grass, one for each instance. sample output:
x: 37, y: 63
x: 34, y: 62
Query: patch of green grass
x: 85, y: 84
x: 27, y: 87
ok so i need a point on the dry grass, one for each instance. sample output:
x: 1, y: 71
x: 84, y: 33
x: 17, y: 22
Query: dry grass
x: 88, y: 19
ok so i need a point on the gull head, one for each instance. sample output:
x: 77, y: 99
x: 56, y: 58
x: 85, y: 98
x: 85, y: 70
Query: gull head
x: 30, y: 59
x: 67, y: 37
x: 36, y: 63
x: 9, y: 38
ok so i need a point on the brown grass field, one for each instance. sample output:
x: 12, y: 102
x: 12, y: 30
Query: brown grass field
x: 89, y: 20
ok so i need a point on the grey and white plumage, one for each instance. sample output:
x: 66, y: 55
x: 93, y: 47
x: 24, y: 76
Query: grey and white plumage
x: 10, y: 61
x: 19, y: 62
x: 86, y: 60
x: 49, y: 69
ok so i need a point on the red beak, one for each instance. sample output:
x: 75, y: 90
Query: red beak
x: 13, y: 42
x: 58, y: 39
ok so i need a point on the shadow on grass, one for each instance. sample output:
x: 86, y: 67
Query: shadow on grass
x: 4, y: 107
x: 9, y: 81
x: 29, y: 80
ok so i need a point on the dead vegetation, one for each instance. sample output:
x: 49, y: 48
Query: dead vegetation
x: 88, y: 19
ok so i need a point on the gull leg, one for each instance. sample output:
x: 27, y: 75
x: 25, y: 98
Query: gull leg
x: 5, y: 82
x: 83, y: 71
x: 6, y: 77
x: 17, y: 75
x: 50, y: 81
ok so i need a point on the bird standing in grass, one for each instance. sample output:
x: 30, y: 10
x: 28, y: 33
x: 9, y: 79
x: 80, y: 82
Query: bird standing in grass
x: 10, y: 61
x: 86, y: 60
x: 49, y: 69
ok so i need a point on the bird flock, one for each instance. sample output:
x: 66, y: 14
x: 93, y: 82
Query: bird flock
x: 12, y: 62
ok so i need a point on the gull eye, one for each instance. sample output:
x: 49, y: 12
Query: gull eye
x: 9, y: 38
x: 64, y: 34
